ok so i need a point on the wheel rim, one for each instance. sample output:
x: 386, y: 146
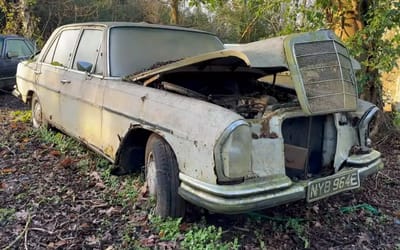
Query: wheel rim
x: 37, y: 114
x: 151, y: 174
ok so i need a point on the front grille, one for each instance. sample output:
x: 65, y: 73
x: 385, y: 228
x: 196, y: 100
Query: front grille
x: 327, y: 76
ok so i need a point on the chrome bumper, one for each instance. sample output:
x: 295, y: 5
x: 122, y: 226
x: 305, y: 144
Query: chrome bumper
x: 256, y: 194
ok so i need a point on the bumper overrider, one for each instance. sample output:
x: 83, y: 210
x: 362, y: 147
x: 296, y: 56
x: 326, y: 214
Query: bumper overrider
x: 261, y: 193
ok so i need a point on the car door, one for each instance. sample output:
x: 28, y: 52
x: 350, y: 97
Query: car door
x: 50, y: 73
x: 15, y: 50
x: 82, y: 91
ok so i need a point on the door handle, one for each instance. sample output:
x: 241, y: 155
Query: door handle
x: 65, y: 81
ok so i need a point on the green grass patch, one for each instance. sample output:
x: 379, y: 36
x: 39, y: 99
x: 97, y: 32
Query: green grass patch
x: 396, y: 119
x: 22, y: 116
x: 168, y: 229
x: 6, y: 215
x: 207, y: 238
x: 61, y: 142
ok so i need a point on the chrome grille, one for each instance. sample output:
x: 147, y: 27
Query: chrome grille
x: 327, y: 76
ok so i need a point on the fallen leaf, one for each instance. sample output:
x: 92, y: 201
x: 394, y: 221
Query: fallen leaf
x: 148, y: 242
x: 55, y: 153
x: 21, y: 215
x: 100, y: 185
x: 7, y: 170
x: 95, y: 175
x: 92, y: 240
x: 66, y: 162
x: 84, y: 226
x: 113, y: 210
x: 60, y: 243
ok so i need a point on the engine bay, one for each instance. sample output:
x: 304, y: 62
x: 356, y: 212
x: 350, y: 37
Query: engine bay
x: 240, y: 92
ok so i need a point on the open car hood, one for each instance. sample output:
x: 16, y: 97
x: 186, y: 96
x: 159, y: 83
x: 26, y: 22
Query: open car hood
x: 262, y: 57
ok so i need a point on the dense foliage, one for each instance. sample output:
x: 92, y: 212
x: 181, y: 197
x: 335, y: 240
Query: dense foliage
x: 363, y: 24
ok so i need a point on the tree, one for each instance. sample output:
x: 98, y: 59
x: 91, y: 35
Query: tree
x: 363, y: 25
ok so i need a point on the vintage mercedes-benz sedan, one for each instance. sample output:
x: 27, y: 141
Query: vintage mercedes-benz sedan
x: 229, y: 130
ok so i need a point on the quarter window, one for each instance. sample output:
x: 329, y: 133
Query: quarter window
x: 88, y: 48
x: 65, y: 47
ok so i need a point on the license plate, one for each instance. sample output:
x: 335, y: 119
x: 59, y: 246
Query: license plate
x: 327, y: 186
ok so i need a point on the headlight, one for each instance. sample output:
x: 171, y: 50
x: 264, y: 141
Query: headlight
x: 363, y: 128
x: 233, y: 152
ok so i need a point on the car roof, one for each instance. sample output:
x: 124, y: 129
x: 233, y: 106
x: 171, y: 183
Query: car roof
x: 2, y: 36
x: 133, y: 24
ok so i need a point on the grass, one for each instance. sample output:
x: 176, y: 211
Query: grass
x: 207, y: 238
x: 22, y: 116
x: 61, y: 142
x: 396, y: 119
x: 6, y: 214
x: 168, y: 229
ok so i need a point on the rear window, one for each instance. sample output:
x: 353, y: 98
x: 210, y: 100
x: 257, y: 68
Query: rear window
x: 133, y: 49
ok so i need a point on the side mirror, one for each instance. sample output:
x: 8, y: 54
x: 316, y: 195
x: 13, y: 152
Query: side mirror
x: 84, y: 66
x: 11, y: 54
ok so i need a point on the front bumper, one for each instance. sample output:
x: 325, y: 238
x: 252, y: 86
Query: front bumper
x: 260, y: 193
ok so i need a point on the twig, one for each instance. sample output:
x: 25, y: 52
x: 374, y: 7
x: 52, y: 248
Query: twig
x: 389, y: 178
x: 103, y: 205
x: 9, y: 149
x: 26, y: 239
x: 42, y: 230
x: 24, y: 232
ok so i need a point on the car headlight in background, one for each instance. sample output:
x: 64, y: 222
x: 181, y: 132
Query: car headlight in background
x: 233, y: 152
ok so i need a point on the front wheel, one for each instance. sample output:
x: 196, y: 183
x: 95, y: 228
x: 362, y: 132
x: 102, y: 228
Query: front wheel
x: 38, y: 119
x: 162, y: 178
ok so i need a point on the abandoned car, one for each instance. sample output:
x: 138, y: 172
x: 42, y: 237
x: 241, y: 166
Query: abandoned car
x: 229, y: 130
x: 13, y: 49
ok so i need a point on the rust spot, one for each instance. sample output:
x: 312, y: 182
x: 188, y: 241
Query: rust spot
x: 254, y: 136
x: 265, y: 128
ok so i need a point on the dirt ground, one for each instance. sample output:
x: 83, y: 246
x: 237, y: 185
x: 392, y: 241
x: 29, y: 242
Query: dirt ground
x: 54, y: 197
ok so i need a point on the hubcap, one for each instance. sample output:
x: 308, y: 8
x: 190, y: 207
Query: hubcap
x: 151, y: 174
x: 37, y: 114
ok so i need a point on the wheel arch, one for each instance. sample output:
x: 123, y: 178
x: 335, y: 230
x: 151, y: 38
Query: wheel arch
x: 130, y: 156
x: 29, y: 96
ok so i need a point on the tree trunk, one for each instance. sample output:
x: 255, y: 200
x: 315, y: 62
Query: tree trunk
x: 175, y: 11
x: 346, y: 22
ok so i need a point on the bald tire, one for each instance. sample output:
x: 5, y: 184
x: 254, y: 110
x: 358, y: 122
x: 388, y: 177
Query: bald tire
x: 168, y: 201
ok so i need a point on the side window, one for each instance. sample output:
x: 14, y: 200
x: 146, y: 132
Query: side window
x: 65, y: 47
x: 88, y: 49
x: 18, y: 48
x: 49, y: 57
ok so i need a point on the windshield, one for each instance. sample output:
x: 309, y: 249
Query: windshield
x: 133, y: 49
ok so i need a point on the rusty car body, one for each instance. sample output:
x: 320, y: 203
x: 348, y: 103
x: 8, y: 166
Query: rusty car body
x: 230, y: 130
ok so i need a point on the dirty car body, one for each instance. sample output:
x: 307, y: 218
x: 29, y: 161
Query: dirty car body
x: 247, y: 128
